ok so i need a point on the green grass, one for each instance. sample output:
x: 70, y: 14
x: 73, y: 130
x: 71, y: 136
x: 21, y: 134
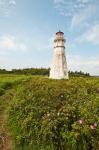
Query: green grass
x: 37, y: 113
x: 8, y: 86
x: 9, y: 82
x: 45, y: 114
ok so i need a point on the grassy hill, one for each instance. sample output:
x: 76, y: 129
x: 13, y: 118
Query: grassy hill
x: 38, y: 113
x: 8, y: 86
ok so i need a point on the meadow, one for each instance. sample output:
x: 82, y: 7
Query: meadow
x: 37, y: 113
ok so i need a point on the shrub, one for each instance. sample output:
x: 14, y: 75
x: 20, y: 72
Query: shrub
x: 56, y: 115
x: 7, y: 85
x: 1, y: 91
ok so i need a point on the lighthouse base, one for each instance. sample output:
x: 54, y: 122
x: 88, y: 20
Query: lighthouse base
x: 59, y: 65
x: 57, y: 76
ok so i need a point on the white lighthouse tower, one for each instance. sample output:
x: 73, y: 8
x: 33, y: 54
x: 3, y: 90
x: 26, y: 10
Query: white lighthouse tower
x: 59, y: 65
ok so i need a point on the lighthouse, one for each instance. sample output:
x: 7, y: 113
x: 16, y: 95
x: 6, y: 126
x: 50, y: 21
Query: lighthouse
x: 58, y: 68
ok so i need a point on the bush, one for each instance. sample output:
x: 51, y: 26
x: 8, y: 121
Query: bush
x: 1, y: 91
x: 56, y: 115
x: 7, y: 85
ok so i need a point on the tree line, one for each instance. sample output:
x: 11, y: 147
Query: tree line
x: 39, y: 71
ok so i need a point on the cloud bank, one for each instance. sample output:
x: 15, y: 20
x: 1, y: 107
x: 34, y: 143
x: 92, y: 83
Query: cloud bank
x: 91, y: 36
x: 9, y: 43
x: 7, y: 7
x: 91, y: 64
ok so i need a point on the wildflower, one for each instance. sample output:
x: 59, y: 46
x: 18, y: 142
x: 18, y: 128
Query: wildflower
x: 61, y: 95
x: 93, y: 126
x: 66, y: 118
x: 58, y: 114
x: 81, y: 122
x: 48, y: 114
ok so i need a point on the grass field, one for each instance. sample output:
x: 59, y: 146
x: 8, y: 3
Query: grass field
x: 8, y: 86
x: 38, y: 113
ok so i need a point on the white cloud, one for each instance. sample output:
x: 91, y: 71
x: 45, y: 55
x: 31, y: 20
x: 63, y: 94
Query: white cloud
x: 7, y: 7
x: 92, y: 35
x: 79, y: 12
x: 82, y: 19
x: 83, y: 1
x: 69, y: 7
x: 12, y: 62
x: 12, y: 2
x: 17, y: 54
x: 10, y: 43
x: 7, y: 42
x: 75, y: 63
x: 78, y: 20
x: 86, y: 64
x: 39, y: 45
x: 59, y: 1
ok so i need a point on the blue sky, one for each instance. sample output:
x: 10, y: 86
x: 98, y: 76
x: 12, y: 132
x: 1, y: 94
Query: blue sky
x: 28, y: 27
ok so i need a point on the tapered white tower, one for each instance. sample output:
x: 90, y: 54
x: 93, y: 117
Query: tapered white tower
x: 59, y: 65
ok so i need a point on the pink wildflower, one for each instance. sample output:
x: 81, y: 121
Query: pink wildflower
x: 81, y: 122
x: 48, y: 114
x: 93, y: 126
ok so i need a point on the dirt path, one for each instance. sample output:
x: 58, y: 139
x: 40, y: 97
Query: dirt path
x: 6, y: 141
x: 5, y: 137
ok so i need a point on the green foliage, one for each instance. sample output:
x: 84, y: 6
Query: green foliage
x: 78, y: 74
x: 56, y: 114
x: 41, y: 71
x: 9, y: 82
x: 1, y: 91
x: 27, y: 71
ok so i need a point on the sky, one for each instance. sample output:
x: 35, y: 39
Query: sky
x: 28, y: 27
